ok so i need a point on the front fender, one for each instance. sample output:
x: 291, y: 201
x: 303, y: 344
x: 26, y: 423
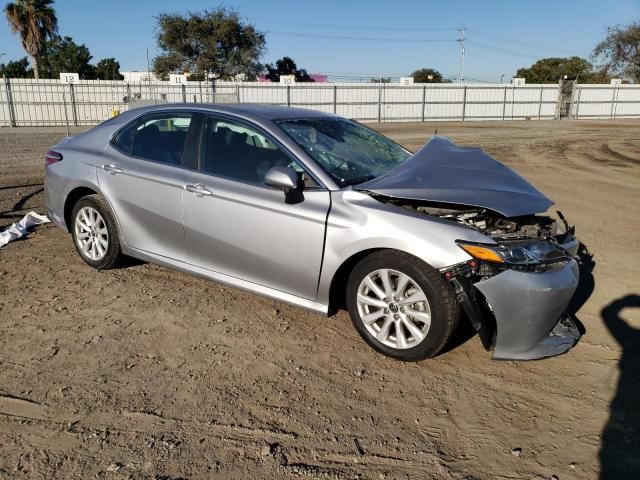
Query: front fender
x: 358, y: 223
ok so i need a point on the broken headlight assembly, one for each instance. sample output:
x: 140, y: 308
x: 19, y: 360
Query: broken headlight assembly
x: 528, y: 254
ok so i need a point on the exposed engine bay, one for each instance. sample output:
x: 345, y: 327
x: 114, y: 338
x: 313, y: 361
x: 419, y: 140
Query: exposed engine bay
x: 492, y: 224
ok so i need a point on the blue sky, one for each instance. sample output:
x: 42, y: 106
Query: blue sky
x: 389, y: 38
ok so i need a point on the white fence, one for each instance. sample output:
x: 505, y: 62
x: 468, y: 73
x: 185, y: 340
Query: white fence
x: 26, y: 102
x: 605, y: 101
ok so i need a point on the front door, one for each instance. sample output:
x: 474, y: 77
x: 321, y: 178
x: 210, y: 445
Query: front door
x: 236, y: 225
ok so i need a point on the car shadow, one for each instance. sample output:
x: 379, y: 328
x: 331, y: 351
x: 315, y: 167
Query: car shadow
x: 586, y: 282
x: 10, y: 187
x: 620, y: 449
x: 18, y: 207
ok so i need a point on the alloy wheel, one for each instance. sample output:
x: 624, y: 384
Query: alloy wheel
x: 91, y: 232
x: 393, y: 308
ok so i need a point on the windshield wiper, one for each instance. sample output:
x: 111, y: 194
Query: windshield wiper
x: 356, y: 180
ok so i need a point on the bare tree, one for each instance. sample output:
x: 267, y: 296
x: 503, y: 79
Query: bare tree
x: 619, y: 52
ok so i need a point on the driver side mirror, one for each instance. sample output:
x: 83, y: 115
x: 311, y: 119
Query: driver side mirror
x: 282, y: 178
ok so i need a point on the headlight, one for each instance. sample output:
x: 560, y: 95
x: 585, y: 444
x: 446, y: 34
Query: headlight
x: 520, y: 252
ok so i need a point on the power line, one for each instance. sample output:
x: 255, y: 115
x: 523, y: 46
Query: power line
x: 514, y: 41
x: 322, y: 36
x: 491, y: 48
x: 371, y: 28
x: 362, y: 39
x: 109, y: 30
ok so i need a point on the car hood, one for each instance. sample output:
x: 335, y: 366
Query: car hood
x: 443, y: 172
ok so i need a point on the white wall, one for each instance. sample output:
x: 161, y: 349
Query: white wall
x: 605, y: 101
x: 45, y: 102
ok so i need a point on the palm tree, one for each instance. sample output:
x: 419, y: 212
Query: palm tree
x: 35, y: 21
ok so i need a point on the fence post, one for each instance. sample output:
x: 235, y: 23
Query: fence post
x: 335, y: 98
x: 288, y: 95
x: 128, y: 93
x: 540, y: 104
x: 464, y: 102
x: 183, y: 87
x: 380, y: 102
x: 578, y: 101
x: 237, y: 93
x: 558, y: 112
x: 613, y: 102
x: 424, y: 100
x: 66, y: 116
x: 72, y: 96
x: 7, y: 91
x: 504, y: 102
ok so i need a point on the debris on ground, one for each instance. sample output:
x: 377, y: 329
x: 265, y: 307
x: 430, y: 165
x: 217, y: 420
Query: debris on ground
x: 21, y: 228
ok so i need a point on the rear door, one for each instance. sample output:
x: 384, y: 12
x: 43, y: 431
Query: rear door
x: 236, y: 225
x: 142, y: 176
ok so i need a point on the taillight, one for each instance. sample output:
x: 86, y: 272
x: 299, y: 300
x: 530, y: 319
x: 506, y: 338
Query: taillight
x: 52, y: 157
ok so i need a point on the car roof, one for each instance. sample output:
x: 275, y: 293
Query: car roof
x: 248, y: 110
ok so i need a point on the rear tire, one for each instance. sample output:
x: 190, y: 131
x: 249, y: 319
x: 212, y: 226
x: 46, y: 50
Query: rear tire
x: 401, y: 306
x: 95, y: 233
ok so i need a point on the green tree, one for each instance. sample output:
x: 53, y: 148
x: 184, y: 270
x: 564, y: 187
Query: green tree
x: 427, y: 75
x: 619, y: 52
x: 218, y: 40
x: 35, y: 21
x: 286, y: 66
x: 62, y: 54
x: 551, y: 70
x: 16, y: 69
x: 108, y: 69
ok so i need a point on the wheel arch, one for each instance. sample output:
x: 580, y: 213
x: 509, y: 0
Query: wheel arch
x: 72, y: 198
x: 82, y: 190
x: 337, y: 288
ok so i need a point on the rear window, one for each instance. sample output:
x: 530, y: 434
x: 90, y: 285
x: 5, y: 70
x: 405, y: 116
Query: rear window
x: 160, y: 137
x: 124, y: 139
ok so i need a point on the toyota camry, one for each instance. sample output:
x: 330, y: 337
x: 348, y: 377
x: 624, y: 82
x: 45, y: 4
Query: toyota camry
x: 324, y: 213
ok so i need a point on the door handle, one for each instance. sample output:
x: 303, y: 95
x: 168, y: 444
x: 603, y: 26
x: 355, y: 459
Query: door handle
x: 199, y: 189
x: 111, y: 168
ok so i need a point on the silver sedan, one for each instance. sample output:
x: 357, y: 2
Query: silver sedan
x: 324, y: 213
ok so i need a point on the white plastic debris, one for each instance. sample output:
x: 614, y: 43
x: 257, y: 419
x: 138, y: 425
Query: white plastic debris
x: 19, y: 229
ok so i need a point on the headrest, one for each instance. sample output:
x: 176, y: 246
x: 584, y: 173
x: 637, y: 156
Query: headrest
x: 148, y: 133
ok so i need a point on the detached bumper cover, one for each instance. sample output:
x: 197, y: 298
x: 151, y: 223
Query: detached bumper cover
x: 529, y: 312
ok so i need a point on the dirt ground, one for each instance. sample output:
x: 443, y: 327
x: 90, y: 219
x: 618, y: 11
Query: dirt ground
x: 146, y: 373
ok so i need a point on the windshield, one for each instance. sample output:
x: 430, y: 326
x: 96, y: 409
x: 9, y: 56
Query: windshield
x: 349, y: 152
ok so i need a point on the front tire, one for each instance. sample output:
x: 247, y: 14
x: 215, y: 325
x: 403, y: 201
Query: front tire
x: 95, y: 233
x: 401, y: 306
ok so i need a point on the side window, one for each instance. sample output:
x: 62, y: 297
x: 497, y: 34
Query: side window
x: 233, y: 150
x: 124, y: 140
x: 157, y: 137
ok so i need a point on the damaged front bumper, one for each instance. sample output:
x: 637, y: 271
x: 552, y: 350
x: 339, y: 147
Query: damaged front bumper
x: 529, y: 311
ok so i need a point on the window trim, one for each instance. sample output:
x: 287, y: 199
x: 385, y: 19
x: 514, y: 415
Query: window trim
x: 224, y: 116
x: 139, y: 118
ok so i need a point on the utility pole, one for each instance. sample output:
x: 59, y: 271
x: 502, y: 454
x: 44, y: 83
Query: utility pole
x: 149, y: 77
x: 461, y: 42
